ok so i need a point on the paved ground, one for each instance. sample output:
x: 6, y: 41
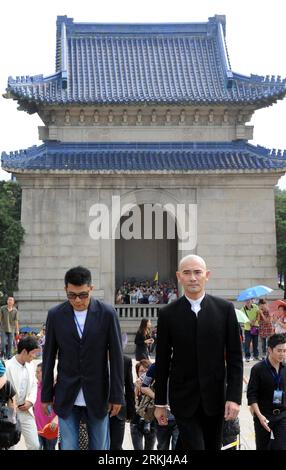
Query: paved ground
x: 247, y: 437
x: 246, y: 423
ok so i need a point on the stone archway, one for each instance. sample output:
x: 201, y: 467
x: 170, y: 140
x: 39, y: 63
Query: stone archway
x: 152, y: 248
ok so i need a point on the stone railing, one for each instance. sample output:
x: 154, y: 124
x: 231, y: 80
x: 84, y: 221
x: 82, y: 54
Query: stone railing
x: 138, y: 310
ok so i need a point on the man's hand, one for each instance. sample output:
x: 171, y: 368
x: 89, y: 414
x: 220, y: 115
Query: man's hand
x: 45, y: 408
x: 113, y: 409
x: 264, y: 422
x: 255, y: 411
x: 161, y: 415
x: 231, y: 410
x: 25, y: 406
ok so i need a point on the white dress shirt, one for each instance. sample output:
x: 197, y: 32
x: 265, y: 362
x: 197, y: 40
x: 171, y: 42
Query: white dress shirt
x: 195, y: 304
x: 81, y: 317
x: 196, y: 307
x: 23, y: 381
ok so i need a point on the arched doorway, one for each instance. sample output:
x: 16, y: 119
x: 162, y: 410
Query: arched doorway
x: 152, y: 249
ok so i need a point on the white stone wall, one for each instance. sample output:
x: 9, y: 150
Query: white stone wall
x: 236, y: 230
x: 237, y: 237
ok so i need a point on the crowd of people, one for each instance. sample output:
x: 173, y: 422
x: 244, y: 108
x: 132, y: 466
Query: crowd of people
x: 263, y: 322
x: 146, y: 292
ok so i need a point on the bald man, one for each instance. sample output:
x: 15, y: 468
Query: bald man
x: 199, y: 355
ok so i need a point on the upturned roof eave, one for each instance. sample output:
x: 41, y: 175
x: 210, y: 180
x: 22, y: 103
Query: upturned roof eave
x: 277, y: 171
x: 158, y: 158
x: 28, y: 105
x: 31, y: 105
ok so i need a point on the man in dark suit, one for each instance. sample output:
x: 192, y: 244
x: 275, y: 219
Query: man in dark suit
x: 84, y: 333
x: 199, y: 351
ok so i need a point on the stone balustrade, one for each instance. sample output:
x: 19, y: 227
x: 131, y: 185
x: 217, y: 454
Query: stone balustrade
x: 129, y: 311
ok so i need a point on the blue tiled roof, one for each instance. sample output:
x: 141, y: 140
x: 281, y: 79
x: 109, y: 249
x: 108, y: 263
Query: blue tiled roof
x: 145, y: 157
x: 143, y: 63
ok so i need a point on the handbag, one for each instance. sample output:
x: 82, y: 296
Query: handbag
x: 10, y: 428
x: 146, y: 407
x: 254, y: 330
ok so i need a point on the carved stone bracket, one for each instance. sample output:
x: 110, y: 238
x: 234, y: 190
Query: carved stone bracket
x: 147, y: 116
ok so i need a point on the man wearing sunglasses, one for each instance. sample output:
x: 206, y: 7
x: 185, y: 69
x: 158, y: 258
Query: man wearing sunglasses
x: 84, y: 334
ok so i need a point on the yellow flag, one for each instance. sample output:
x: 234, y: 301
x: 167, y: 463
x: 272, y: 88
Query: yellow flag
x: 156, y: 278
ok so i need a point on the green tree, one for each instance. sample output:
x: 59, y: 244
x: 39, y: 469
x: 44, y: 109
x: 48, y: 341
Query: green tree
x: 11, y: 236
x: 280, y: 215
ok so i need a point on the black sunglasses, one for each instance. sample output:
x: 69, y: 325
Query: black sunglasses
x: 81, y: 295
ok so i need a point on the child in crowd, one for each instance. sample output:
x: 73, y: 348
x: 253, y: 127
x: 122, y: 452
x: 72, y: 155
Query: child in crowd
x: 41, y: 419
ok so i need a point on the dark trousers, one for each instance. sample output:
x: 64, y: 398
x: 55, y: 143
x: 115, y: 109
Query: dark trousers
x: 139, y: 433
x: 167, y: 434
x: 264, y: 344
x: 47, y: 444
x: 6, y: 344
x: 263, y: 438
x: 249, y: 338
x: 117, y: 428
x: 200, y: 432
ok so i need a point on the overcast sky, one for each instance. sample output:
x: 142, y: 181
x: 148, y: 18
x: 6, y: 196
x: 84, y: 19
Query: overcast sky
x: 255, y: 35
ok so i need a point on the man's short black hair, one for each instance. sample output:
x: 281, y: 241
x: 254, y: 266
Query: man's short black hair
x: 29, y: 343
x: 277, y: 338
x: 78, y: 276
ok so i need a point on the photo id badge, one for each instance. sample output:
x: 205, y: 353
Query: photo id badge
x: 278, y: 397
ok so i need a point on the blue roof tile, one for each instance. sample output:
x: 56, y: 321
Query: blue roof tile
x: 143, y: 63
x: 145, y: 157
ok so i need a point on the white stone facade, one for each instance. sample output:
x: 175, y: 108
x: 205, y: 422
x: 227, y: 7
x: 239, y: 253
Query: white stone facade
x: 235, y: 233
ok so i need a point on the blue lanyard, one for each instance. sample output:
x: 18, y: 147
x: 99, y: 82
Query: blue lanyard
x: 78, y: 325
x: 277, y: 377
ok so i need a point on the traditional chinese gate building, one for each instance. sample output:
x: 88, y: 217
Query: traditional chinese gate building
x: 152, y: 113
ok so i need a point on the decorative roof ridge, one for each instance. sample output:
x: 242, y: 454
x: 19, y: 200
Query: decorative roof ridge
x: 64, y: 57
x: 278, y: 154
x: 148, y: 146
x: 140, y: 28
x: 33, y: 79
x: 224, y: 55
x: 261, y: 79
